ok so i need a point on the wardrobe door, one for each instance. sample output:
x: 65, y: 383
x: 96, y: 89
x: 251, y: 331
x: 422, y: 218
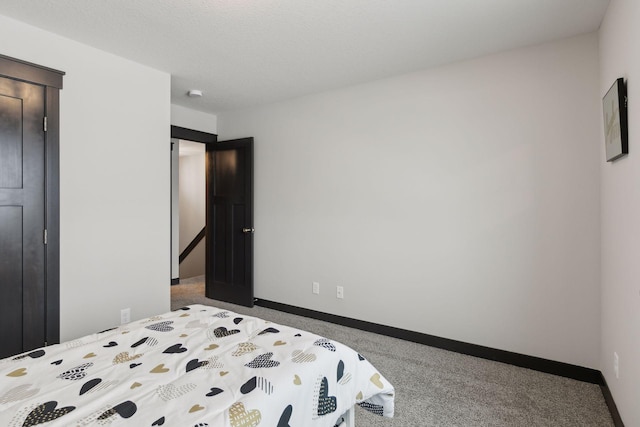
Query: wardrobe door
x: 22, y: 216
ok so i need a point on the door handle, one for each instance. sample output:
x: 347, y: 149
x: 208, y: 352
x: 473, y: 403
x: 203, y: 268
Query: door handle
x: 249, y: 230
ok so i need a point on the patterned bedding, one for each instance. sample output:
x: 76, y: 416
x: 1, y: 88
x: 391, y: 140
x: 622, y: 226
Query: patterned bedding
x: 197, y: 366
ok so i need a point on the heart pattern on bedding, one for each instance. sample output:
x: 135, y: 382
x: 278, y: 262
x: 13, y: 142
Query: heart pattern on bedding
x: 244, y: 348
x: 196, y: 408
x: 222, y: 332
x: 34, y: 355
x: 257, y: 382
x: 298, y: 356
x: 214, y: 392
x: 125, y: 410
x: 375, y: 379
x: 18, y: 372
x: 89, y: 385
x: 160, y: 369
x: 171, y: 391
x: 21, y: 392
x: 161, y: 326
x: 176, y: 348
x: 263, y: 361
x: 77, y: 373
x: 311, y: 381
x: 146, y: 340
x: 372, y: 407
x: 195, y: 364
x: 240, y: 417
x: 325, y: 343
x: 285, y: 417
x: 124, y: 357
x: 45, y: 413
x: 326, y: 404
x: 222, y: 315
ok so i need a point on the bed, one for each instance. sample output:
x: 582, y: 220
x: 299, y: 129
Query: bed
x: 196, y: 366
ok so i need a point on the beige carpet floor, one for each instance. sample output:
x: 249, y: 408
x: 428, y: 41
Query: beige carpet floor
x: 436, y: 387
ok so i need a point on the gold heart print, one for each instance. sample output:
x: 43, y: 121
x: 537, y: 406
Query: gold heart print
x: 160, y: 369
x: 299, y: 356
x: 240, y: 417
x: 244, y: 348
x: 18, y: 373
x: 375, y: 379
x: 125, y: 357
x: 195, y: 408
x: 297, y: 380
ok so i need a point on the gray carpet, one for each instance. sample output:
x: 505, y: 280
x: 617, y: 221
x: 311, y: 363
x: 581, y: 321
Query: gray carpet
x: 436, y: 387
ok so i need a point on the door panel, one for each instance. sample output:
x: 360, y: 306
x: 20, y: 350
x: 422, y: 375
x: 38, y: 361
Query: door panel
x: 11, y: 147
x: 11, y: 278
x: 22, y: 186
x: 229, y: 270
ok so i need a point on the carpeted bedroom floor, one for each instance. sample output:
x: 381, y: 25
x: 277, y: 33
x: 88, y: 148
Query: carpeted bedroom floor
x: 436, y: 387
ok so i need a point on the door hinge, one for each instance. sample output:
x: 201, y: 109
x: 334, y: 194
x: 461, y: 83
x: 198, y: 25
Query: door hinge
x: 44, y: 124
x: 45, y: 236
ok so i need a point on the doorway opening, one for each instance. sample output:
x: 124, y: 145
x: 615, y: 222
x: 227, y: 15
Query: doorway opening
x: 188, y: 202
x: 191, y: 209
x: 228, y: 214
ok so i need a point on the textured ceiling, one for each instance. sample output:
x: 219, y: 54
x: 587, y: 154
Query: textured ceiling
x: 242, y: 53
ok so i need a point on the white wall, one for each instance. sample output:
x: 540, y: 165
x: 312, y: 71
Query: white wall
x: 461, y: 201
x: 192, y: 210
x: 620, y: 57
x: 193, y: 119
x: 114, y: 180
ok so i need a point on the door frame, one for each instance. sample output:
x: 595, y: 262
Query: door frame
x: 51, y: 80
x: 178, y: 132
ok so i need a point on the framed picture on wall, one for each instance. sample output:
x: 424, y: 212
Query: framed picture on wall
x: 614, y: 108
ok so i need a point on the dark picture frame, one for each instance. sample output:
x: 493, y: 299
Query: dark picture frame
x: 614, y: 109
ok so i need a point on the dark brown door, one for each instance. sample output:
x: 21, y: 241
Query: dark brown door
x: 22, y: 217
x: 229, y: 269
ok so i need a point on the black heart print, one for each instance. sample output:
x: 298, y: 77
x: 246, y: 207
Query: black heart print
x: 326, y: 403
x: 46, y: 412
x: 176, y: 348
x: 285, y: 417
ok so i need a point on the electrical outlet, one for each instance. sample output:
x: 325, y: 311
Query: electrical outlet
x: 616, y: 365
x: 316, y: 288
x: 125, y: 316
x: 339, y: 292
